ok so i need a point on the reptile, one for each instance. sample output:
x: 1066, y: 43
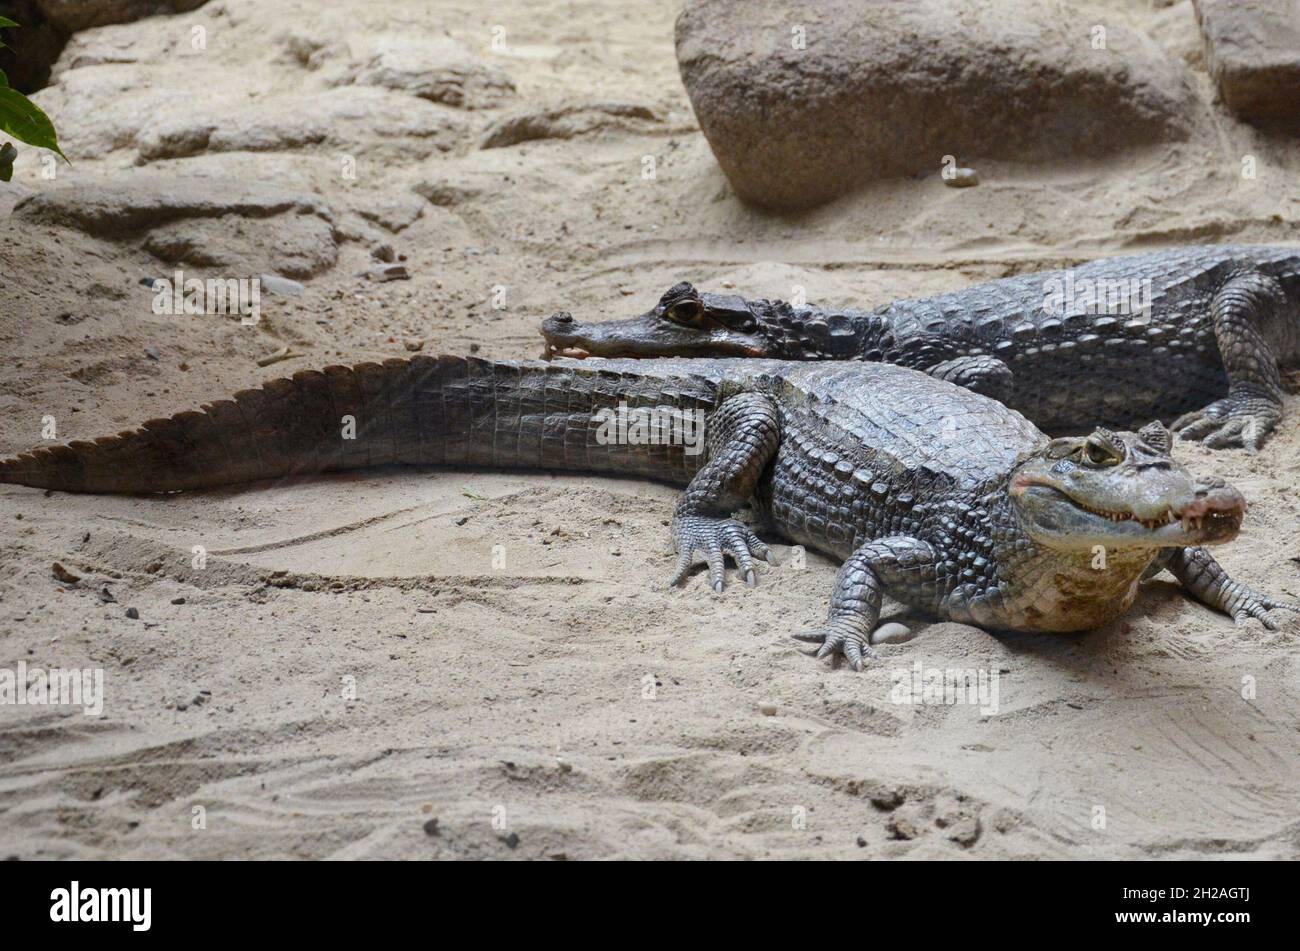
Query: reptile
x: 1198, y: 331
x: 947, y: 500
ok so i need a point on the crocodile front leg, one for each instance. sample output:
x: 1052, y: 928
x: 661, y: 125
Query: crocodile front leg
x: 743, y: 436
x: 886, y: 563
x: 1205, y: 579
x: 1244, y: 310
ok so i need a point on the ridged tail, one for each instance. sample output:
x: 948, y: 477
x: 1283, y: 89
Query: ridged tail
x: 421, y: 411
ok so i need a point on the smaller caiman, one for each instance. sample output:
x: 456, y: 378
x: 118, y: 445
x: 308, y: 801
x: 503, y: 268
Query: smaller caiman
x: 947, y: 500
x: 1201, y: 331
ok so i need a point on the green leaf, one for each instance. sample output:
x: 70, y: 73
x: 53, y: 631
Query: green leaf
x: 5, y: 21
x: 7, y: 154
x: 4, y: 80
x: 25, y: 121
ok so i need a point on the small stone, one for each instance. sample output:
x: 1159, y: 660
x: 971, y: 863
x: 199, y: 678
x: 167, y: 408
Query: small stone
x: 891, y: 633
x: 392, y: 272
x: 900, y: 827
x: 106, y: 596
x: 414, y: 344
x: 152, y: 353
x: 961, y: 178
x: 63, y: 574
x: 133, y: 614
x: 431, y: 826
x: 178, y: 600
x: 383, y: 252
x: 274, y: 284
x: 862, y: 841
x: 767, y: 709
x: 511, y: 840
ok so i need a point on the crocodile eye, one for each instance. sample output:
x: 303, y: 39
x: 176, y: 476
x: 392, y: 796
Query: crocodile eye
x: 1099, y: 454
x: 685, y: 311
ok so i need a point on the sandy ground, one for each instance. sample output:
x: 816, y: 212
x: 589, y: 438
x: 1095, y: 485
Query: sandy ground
x: 350, y: 664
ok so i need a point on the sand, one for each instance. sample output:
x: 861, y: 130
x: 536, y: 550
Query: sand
x: 407, y: 664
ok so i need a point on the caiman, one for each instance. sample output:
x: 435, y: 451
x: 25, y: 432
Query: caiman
x: 945, y: 499
x: 1199, y: 331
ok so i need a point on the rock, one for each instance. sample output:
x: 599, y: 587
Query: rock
x: 134, y: 615
x: 891, y: 633
x: 767, y: 709
x: 890, y: 87
x: 901, y: 827
x: 63, y: 574
x: 274, y: 284
x: 1252, y: 48
x: 567, y: 122
x: 413, y: 344
x: 961, y: 178
x: 431, y: 826
x: 202, y: 221
x: 73, y: 15
x: 389, y: 272
x: 435, y: 68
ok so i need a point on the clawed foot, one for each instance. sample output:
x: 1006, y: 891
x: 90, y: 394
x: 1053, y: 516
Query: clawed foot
x: 1230, y: 422
x: 847, y: 636
x: 1246, y: 603
x: 716, y: 538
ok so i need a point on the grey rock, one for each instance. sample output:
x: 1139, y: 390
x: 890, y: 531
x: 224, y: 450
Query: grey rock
x: 889, y: 87
x: 1252, y: 48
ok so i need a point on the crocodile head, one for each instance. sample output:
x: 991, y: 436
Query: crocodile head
x: 685, y: 323
x: 1121, y: 490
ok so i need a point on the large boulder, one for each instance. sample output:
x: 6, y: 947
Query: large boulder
x: 1252, y: 48
x: 803, y: 101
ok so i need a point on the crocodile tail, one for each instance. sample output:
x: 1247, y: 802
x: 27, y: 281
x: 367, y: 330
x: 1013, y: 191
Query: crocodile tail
x: 421, y: 411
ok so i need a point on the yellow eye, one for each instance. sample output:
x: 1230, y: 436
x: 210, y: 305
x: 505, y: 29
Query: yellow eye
x: 686, y: 311
x: 1099, y: 455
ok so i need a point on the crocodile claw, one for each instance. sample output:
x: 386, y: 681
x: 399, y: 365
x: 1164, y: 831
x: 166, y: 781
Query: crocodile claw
x: 1247, y: 603
x: 716, y: 538
x: 842, y: 636
x: 1233, y: 421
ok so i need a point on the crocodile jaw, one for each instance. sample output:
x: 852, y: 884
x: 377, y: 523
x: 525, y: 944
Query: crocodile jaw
x: 1056, y: 520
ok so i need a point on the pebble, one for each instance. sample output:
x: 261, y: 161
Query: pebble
x: 891, y: 633
x: 767, y: 709
x: 178, y: 600
x: 962, y: 178
x: 392, y: 272
x: 63, y: 574
x: 275, y: 284
x: 431, y: 826
x: 414, y: 344
x: 133, y: 614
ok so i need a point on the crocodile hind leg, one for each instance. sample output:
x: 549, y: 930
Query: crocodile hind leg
x: 981, y: 374
x: 743, y: 436
x: 1205, y: 579
x: 1247, y: 311
x: 880, y: 565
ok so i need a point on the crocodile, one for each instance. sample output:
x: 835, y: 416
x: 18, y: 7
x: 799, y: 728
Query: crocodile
x: 1196, y: 335
x: 944, y: 499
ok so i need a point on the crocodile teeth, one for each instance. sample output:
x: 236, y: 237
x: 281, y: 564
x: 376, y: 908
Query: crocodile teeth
x: 575, y: 353
x: 1150, y: 523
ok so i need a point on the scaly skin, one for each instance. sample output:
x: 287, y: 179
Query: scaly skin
x: 1220, y: 321
x: 945, y: 499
